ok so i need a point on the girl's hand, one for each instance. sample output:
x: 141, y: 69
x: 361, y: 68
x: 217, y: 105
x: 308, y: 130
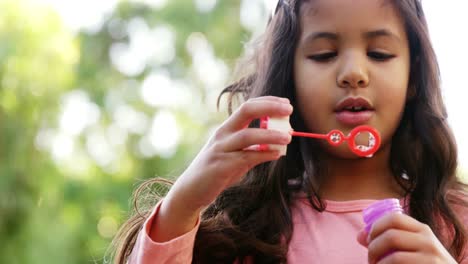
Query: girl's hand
x: 225, y: 158
x: 409, y: 240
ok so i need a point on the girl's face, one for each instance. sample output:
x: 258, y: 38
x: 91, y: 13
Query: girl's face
x: 351, y: 66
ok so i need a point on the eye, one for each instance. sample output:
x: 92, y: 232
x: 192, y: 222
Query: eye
x: 380, y: 56
x: 323, y: 57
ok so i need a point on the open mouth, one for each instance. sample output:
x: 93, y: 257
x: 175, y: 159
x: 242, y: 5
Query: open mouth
x: 355, y: 108
x: 353, y: 111
x: 354, y: 104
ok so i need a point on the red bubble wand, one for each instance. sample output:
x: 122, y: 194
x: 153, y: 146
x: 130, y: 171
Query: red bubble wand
x: 336, y: 137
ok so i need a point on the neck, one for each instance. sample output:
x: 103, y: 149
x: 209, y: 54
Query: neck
x: 365, y: 178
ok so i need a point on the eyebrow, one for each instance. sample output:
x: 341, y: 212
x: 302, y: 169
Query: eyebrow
x: 381, y: 33
x: 319, y: 35
x: 368, y: 35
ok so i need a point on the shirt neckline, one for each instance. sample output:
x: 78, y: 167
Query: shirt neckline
x: 348, y: 206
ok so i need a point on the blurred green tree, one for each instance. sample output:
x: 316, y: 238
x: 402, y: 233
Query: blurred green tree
x: 37, y: 58
x: 84, y: 116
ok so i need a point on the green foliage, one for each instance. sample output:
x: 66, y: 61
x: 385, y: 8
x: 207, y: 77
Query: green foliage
x: 37, y: 58
x: 64, y: 208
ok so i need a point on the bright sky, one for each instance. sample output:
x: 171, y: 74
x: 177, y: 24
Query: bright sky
x: 446, y: 22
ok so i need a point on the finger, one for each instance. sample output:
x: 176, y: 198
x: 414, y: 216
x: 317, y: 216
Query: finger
x: 362, y: 237
x: 271, y: 98
x: 402, y: 257
x: 254, y: 109
x: 249, y: 159
x: 253, y: 136
x: 256, y: 147
x: 394, y: 221
x: 394, y: 240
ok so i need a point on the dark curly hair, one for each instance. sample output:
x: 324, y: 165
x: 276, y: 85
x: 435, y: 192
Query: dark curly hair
x: 253, y: 218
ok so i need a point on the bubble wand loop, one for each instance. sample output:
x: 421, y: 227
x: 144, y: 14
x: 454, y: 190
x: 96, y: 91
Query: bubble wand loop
x: 336, y: 137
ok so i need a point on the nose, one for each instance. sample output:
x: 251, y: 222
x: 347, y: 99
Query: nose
x: 353, y: 72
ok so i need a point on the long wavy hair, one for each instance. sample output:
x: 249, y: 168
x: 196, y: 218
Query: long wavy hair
x: 253, y: 218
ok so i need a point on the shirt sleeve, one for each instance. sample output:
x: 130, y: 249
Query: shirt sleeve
x: 177, y: 250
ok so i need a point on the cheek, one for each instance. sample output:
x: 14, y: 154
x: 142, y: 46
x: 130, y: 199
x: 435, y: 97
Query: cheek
x: 312, y: 81
x: 391, y: 109
x: 312, y: 106
x: 395, y: 76
x: 312, y: 93
x: 315, y: 91
x: 392, y: 86
x: 395, y: 93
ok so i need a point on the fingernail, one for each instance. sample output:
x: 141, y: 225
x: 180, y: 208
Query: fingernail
x: 285, y: 138
x: 286, y: 108
x: 263, y: 147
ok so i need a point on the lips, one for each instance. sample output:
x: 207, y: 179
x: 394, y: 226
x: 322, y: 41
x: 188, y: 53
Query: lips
x: 353, y: 111
x: 349, y: 103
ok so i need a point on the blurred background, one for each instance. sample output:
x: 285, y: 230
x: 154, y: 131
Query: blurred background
x: 96, y: 96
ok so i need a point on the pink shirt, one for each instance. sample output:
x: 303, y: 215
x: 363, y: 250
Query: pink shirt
x: 327, y: 237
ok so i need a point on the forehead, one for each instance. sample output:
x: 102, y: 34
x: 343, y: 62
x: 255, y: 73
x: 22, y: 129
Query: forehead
x: 347, y: 16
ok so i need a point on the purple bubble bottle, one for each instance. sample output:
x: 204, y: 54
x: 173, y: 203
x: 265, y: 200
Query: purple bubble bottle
x: 379, y: 209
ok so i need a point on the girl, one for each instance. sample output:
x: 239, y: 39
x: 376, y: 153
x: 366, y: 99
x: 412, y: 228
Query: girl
x: 339, y: 64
